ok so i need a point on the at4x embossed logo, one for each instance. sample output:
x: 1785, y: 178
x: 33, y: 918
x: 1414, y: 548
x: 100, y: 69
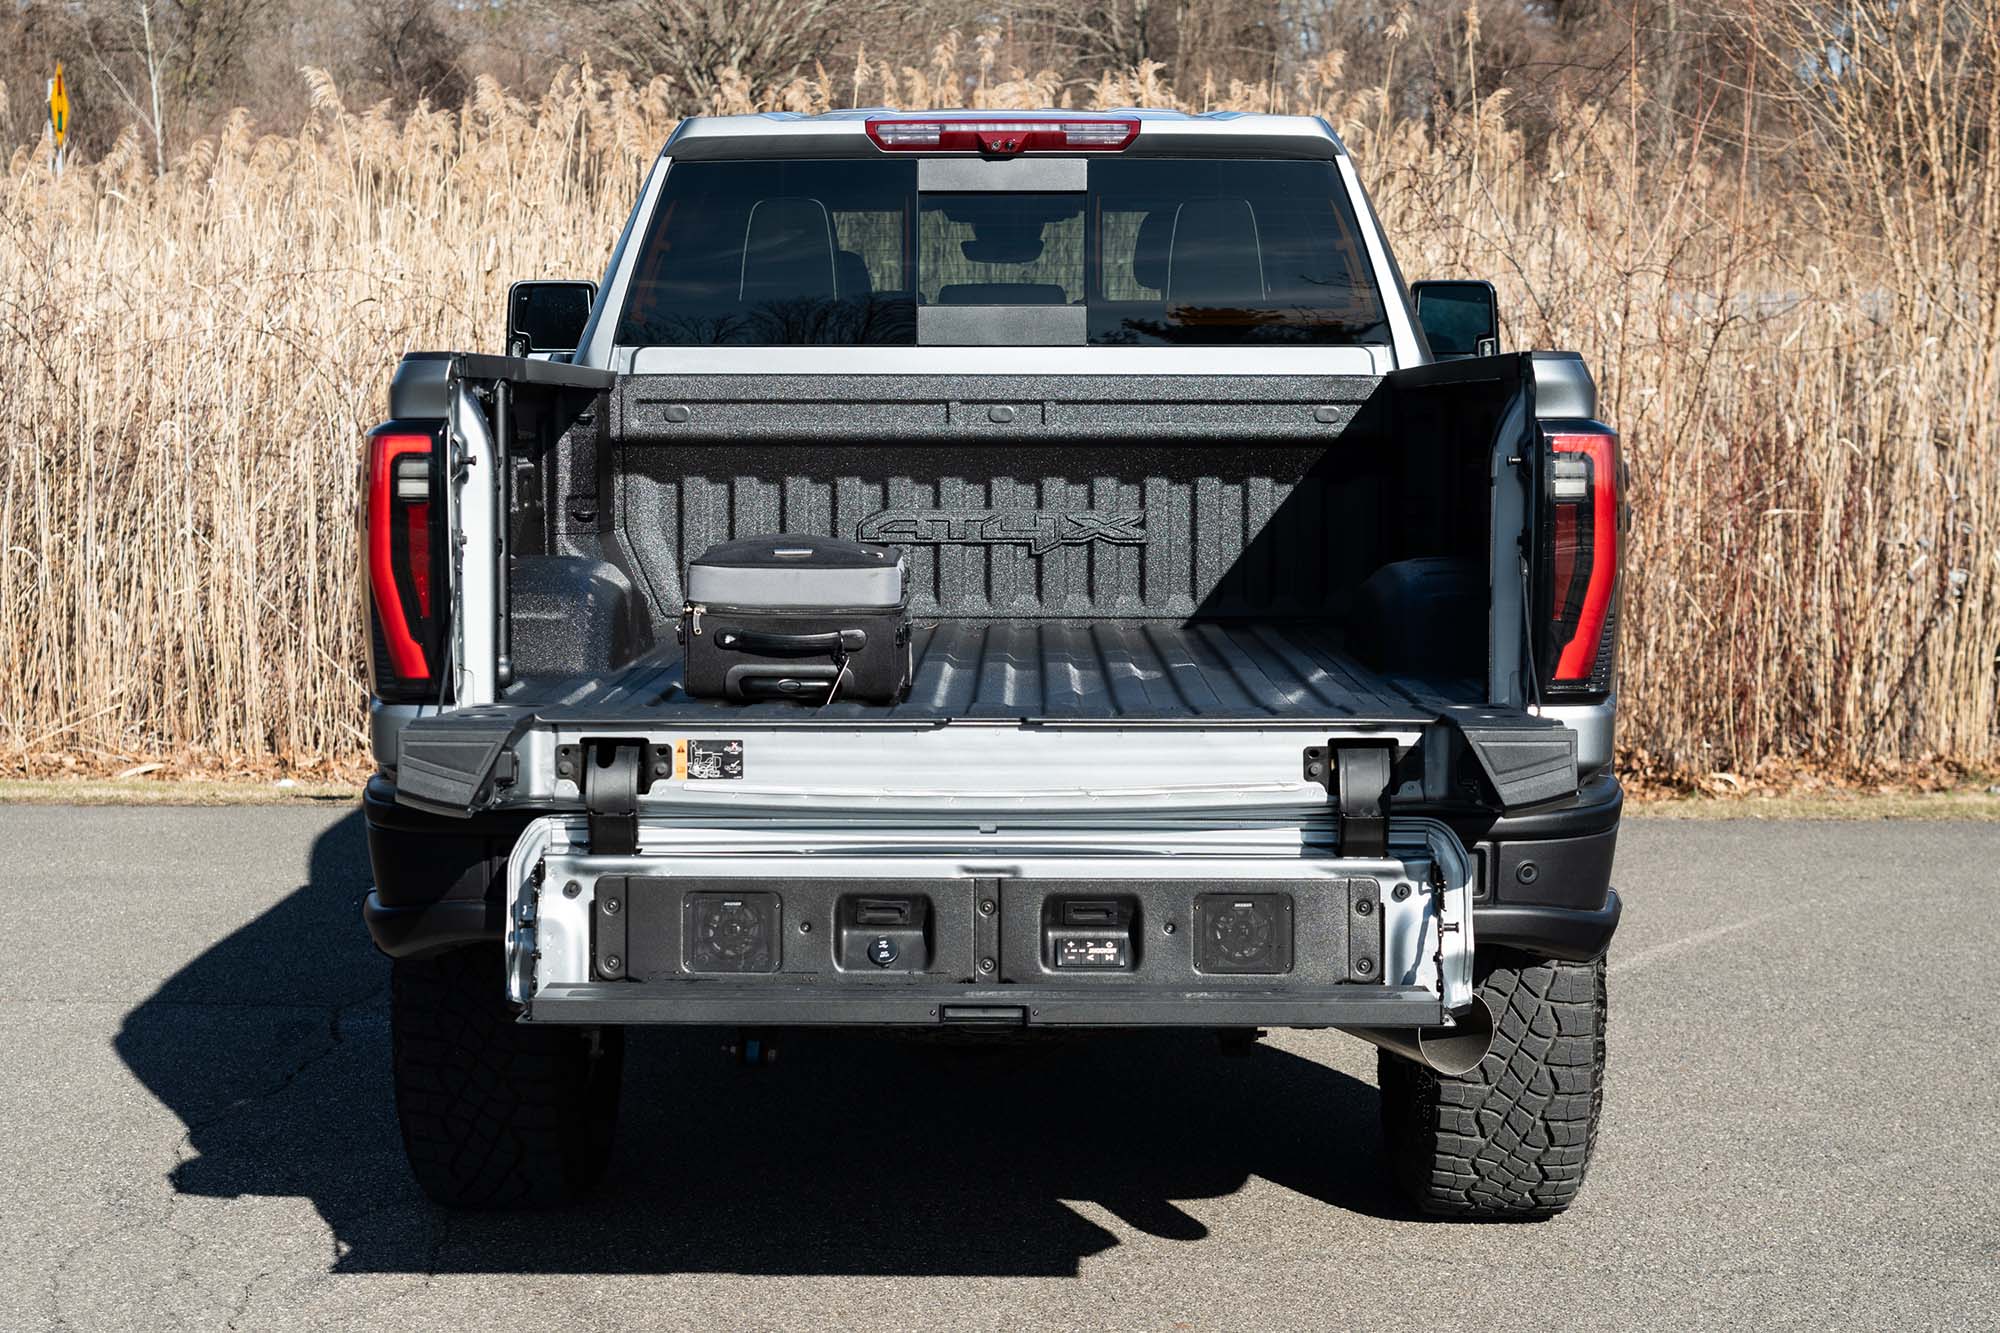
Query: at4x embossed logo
x: 1040, y: 530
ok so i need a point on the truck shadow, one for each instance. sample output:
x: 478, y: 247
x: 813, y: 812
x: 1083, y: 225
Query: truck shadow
x: 850, y: 1154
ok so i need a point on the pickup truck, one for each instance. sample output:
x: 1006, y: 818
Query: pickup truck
x: 1263, y: 630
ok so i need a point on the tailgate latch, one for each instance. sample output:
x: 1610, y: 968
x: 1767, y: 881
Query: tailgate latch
x: 611, y: 796
x: 1356, y: 776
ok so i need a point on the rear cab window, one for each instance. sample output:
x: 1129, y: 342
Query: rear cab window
x: 1154, y: 251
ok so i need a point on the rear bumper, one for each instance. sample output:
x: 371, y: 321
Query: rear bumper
x: 439, y: 882
x: 1553, y: 856
x: 808, y: 1005
x: 430, y: 928
x: 1545, y: 875
x: 1572, y: 934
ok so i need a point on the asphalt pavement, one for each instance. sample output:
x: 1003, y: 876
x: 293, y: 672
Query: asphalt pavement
x: 1802, y: 1126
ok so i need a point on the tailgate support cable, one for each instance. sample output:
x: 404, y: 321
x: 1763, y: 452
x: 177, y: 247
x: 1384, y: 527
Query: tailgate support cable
x: 503, y: 565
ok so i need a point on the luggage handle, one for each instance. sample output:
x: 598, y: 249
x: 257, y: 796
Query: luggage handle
x: 834, y: 643
x: 760, y: 680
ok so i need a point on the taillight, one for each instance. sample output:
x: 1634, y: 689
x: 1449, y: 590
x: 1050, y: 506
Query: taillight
x: 397, y: 546
x: 1579, y: 560
x: 972, y: 134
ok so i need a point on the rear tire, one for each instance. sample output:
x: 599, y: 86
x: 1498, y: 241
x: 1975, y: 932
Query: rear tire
x: 495, y: 1113
x: 1511, y: 1139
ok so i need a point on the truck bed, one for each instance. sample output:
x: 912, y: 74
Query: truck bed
x: 1127, y: 672
x: 1163, y: 556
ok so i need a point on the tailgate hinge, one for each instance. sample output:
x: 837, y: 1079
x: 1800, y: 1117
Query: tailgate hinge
x: 1358, y: 781
x: 611, y: 796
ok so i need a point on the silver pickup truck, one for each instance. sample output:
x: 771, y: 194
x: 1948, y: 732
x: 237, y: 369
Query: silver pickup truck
x: 1261, y: 629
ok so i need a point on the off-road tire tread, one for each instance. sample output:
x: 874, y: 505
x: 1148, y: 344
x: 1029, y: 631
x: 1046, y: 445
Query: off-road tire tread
x: 495, y: 1113
x: 1513, y: 1138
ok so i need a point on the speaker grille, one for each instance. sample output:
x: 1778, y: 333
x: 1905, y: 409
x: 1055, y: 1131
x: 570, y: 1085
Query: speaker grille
x: 731, y: 932
x: 1243, y: 934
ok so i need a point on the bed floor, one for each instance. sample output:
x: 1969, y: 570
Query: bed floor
x: 1106, y: 671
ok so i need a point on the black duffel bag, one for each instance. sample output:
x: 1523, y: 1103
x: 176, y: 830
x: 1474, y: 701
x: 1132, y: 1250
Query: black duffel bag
x: 790, y: 617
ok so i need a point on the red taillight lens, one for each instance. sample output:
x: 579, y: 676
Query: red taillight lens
x: 1001, y: 137
x: 396, y: 541
x: 1580, y: 560
x: 420, y: 556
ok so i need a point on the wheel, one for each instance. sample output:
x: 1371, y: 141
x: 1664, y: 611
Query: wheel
x: 495, y: 1113
x: 1512, y: 1138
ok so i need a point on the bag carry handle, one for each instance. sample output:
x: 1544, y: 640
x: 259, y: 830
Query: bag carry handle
x: 834, y: 643
x: 761, y: 680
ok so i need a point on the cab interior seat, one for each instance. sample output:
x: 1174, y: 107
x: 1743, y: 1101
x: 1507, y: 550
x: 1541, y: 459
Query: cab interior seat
x: 1203, y: 252
x: 1002, y: 293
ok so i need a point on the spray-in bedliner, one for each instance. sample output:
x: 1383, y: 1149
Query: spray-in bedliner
x: 1063, y: 671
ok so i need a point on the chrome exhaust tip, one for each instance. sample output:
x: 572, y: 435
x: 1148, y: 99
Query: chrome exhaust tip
x: 1450, y: 1051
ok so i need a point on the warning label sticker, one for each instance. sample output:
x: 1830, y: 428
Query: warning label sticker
x: 715, y: 759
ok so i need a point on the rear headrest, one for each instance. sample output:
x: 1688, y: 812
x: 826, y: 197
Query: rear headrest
x: 1002, y: 293
x: 787, y: 252
x: 1152, y: 249
x: 1216, y: 259
x: 851, y: 270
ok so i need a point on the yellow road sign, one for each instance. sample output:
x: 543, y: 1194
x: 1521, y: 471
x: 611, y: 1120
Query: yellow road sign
x: 59, y: 106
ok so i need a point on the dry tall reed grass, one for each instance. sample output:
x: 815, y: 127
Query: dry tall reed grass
x: 1806, y: 383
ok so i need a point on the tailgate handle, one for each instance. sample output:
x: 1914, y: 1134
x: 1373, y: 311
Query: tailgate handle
x: 882, y: 912
x: 986, y: 1015
x: 1090, y: 912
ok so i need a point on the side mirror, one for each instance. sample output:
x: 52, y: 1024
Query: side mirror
x: 546, y: 317
x: 1458, y: 318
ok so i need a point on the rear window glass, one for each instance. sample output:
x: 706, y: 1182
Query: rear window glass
x: 1001, y: 249
x: 1213, y: 252
x: 776, y: 253
x: 1157, y: 251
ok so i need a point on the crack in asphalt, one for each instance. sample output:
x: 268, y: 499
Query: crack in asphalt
x: 58, y: 1319
x: 334, y: 1039
x: 184, y: 1150
x: 242, y: 1305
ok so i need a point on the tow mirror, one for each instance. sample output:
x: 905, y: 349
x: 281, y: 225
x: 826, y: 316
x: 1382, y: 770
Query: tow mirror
x: 1459, y: 319
x: 547, y: 317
